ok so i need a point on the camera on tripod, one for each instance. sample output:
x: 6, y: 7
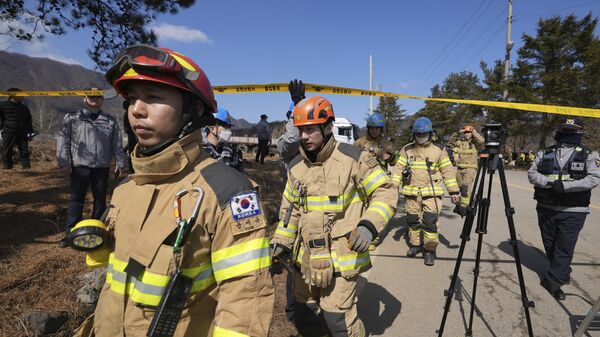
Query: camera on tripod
x: 494, y: 135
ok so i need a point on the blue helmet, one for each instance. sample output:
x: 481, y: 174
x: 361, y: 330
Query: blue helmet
x: 376, y: 120
x: 222, y: 116
x: 421, y: 125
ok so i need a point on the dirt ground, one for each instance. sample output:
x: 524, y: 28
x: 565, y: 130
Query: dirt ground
x: 37, y: 275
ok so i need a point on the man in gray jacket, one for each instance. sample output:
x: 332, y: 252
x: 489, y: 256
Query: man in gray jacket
x: 263, y: 132
x: 87, y: 140
x: 563, y: 176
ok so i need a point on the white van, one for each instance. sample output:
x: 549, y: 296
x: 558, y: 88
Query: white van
x: 344, y: 131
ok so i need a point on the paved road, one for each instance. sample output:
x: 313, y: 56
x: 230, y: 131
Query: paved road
x: 403, y: 297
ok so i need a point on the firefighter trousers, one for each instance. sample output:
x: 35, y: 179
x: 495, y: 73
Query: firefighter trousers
x: 329, y: 311
x: 465, y: 178
x: 422, y: 216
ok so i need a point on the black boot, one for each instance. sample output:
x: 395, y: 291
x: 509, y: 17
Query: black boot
x: 429, y: 258
x: 553, y: 289
x: 413, y: 251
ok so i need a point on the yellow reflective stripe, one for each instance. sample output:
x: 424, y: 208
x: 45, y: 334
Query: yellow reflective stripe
x: 377, y: 178
x: 382, y: 209
x: 464, y: 165
x: 148, y: 287
x: 444, y: 163
x: 222, y: 332
x: 450, y: 182
x: 402, y: 161
x: 290, y: 231
x: 424, y: 191
x: 240, y: 259
x: 332, y: 203
x: 396, y: 178
x: 350, y: 261
x: 430, y: 235
x: 288, y: 192
x: 320, y: 256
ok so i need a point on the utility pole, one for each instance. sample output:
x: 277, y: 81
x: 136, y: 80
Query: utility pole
x: 370, y: 83
x: 509, y: 45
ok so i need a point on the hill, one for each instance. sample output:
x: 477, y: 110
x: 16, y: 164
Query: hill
x: 34, y: 73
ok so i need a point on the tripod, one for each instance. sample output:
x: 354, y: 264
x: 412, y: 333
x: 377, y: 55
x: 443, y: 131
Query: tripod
x: 489, y: 161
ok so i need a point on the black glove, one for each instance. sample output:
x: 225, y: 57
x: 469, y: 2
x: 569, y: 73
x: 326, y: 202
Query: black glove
x: 557, y: 187
x: 296, y: 88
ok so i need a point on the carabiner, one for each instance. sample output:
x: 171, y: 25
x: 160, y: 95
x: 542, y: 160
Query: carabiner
x: 185, y: 224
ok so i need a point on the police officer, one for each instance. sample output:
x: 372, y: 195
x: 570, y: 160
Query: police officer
x: 464, y: 150
x: 216, y: 141
x: 339, y: 198
x: 424, y: 166
x: 226, y: 254
x: 375, y: 142
x: 563, y: 176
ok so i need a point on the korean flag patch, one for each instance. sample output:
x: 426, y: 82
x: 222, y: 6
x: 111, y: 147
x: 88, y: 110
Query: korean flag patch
x: 244, y: 205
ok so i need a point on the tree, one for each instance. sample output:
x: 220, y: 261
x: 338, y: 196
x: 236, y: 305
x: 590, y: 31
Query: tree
x: 390, y: 109
x: 447, y: 118
x: 114, y: 23
x: 560, y: 65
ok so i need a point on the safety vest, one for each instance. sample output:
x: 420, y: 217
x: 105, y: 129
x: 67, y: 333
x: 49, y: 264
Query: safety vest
x: 574, y: 169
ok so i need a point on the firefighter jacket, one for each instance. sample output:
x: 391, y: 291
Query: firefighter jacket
x: 227, y: 250
x: 420, y: 166
x: 578, y: 167
x: 329, y: 197
x: 377, y: 147
x: 464, y: 150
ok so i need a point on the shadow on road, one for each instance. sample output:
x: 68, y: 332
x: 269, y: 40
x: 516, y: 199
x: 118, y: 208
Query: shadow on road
x: 371, y: 300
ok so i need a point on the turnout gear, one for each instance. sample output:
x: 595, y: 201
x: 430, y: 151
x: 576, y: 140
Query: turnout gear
x: 360, y: 239
x: 465, y: 154
x: 377, y: 147
x: 226, y: 254
x: 341, y: 188
x: 426, y: 167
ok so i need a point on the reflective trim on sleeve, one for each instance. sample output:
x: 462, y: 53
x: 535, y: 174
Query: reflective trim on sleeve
x: 377, y: 178
x: 289, y: 232
x: 240, y: 259
x: 396, y: 179
x: 451, y: 182
x: 402, y: 161
x: 444, y: 163
x: 382, y: 209
x: 222, y: 332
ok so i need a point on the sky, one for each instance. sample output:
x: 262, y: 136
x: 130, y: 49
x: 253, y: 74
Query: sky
x: 415, y: 45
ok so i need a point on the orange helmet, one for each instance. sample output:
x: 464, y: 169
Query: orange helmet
x: 161, y: 65
x: 468, y: 128
x: 313, y: 110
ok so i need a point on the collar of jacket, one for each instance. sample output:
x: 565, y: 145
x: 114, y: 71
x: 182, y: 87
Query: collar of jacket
x: 323, y: 154
x: 169, y: 162
x: 374, y: 139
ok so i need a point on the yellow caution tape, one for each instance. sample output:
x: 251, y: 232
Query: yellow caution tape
x: 335, y: 90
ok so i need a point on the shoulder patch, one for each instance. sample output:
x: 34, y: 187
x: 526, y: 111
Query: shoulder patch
x: 295, y: 161
x: 244, y: 205
x: 350, y: 151
x: 225, y: 181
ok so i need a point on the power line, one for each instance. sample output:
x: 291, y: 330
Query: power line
x: 520, y: 17
x: 484, y: 47
x: 439, y: 59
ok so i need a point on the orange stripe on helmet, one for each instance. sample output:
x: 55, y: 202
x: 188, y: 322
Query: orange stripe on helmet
x: 313, y: 110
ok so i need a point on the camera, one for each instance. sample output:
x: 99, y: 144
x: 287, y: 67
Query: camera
x: 494, y: 135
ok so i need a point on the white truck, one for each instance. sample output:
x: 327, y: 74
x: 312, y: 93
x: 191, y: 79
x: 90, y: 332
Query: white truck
x: 344, y: 131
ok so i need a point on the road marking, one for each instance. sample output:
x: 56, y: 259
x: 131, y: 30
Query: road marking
x: 531, y: 190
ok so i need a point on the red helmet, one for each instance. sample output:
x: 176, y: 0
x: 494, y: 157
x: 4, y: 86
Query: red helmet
x: 161, y: 65
x: 313, y: 110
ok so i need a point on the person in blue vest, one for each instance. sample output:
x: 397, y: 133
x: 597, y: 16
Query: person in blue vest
x: 563, y: 176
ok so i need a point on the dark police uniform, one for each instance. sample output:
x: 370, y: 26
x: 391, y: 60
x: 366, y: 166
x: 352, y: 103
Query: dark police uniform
x: 562, y: 209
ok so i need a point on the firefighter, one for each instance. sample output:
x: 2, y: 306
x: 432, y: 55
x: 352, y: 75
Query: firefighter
x: 217, y: 141
x: 563, y: 176
x: 226, y: 253
x: 336, y: 199
x: 375, y: 142
x: 464, y: 151
x: 424, y: 166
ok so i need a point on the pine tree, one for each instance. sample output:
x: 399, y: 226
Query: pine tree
x: 390, y: 109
